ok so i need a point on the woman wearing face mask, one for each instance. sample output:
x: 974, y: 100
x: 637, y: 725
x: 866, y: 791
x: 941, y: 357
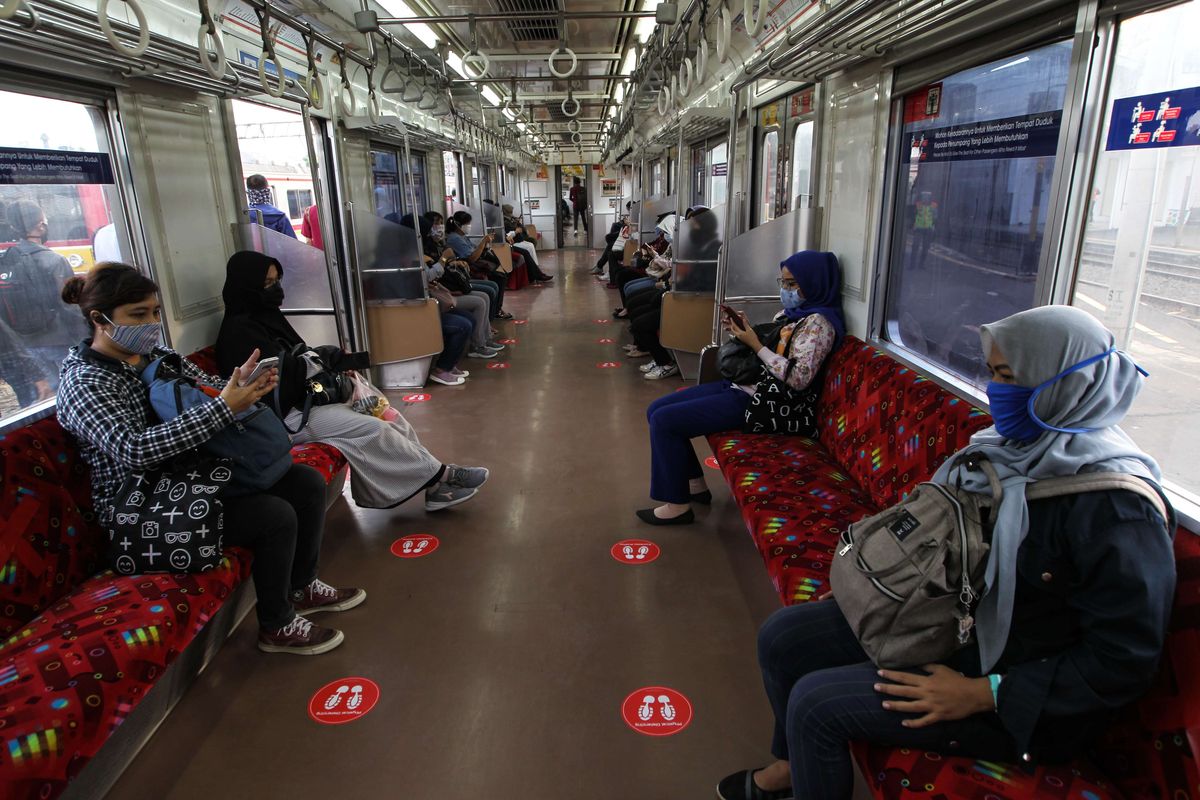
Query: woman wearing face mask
x: 389, y: 464
x: 1079, y: 591
x: 103, y: 402
x: 810, y: 290
x: 482, y: 269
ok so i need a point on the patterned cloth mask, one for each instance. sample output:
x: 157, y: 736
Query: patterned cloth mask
x: 136, y: 339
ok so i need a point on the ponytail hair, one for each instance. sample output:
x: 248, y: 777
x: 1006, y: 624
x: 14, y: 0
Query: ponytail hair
x: 109, y: 284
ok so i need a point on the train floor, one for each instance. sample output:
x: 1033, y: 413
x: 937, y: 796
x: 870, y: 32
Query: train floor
x: 503, y: 657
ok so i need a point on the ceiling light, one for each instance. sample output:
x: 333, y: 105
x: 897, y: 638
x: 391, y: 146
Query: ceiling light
x: 398, y: 8
x: 645, y: 25
x: 490, y: 95
x: 630, y: 62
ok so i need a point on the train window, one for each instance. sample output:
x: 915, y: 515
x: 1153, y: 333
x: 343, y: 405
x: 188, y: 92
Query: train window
x: 385, y: 175
x: 716, y: 160
x: 976, y: 157
x: 1139, y: 270
x: 272, y: 144
x: 656, y: 179
x: 801, y: 183
x: 699, y: 173
x: 767, y: 175
x: 60, y: 213
x: 452, y: 174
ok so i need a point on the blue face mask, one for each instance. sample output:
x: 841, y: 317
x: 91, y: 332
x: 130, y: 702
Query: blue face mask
x: 790, y: 298
x: 1012, y: 406
x: 135, y: 339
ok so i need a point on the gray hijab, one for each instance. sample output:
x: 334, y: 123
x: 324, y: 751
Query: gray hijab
x: 1038, y: 345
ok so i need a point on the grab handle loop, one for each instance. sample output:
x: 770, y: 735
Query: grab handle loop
x: 346, y: 99
x: 701, y: 60
x: 473, y: 56
x: 759, y: 17
x: 143, y: 32
x: 685, y: 85
x: 312, y: 78
x: 268, y: 54
x: 571, y: 99
x: 724, y: 34
x: 211, y: 58
x: 562, y: 50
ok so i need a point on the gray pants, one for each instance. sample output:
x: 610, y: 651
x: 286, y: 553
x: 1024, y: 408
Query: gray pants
x: 476, y: 304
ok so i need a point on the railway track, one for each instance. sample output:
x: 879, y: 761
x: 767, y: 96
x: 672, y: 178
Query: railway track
x: 1172, y: 281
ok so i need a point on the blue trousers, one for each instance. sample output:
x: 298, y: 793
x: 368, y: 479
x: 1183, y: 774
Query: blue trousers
x: 456, y: 334
x: 636, y: 286
x: 822, y: 689
x: 674, y: 420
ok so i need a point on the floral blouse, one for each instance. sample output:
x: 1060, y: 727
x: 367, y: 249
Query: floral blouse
x: 814, y: 344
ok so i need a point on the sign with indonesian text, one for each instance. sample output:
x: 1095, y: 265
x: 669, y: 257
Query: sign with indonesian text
x: 1025, y: 136
x: 1151, y: 121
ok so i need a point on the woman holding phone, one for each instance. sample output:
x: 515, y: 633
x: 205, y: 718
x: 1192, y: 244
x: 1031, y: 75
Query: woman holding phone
x: 103, y: 402
x: 810, y: 291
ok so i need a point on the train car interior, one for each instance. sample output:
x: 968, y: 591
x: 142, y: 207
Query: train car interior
x: 654, y: 395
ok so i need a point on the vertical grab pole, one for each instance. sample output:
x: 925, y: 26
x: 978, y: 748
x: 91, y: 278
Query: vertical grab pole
x: 356, y: 302
x: 730, y: 211
x: 411, y: 187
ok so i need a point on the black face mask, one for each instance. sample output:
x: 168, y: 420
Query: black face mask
x: 272, y: 297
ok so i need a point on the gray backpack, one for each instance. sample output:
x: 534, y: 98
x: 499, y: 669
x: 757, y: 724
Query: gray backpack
x: 909, y: 578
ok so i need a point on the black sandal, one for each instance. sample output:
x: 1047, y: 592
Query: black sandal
x: 741, y: 786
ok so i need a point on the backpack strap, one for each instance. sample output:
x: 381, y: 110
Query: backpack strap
x: 1098, y: 482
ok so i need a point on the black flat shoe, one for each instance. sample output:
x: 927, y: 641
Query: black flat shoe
x: 647, y: 515
x: 703, y: 498
x: 741, y: 786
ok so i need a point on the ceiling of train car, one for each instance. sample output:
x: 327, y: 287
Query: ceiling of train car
x: 518, y: 46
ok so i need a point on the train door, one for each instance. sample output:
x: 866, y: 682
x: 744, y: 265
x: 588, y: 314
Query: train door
x: 1138, y: 259
x: 279, y: 162
x: 766, y: 161
x: 62, y: 209
x: 801, y: 124
x: 574, y: 206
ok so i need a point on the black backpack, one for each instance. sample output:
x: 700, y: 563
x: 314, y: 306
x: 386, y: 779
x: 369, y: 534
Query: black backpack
x: 24, y: 289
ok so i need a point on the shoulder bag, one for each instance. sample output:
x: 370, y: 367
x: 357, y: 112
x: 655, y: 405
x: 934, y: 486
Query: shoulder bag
x: 776, y: 407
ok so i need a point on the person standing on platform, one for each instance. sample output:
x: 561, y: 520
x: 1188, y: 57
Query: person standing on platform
x: 258, y: 192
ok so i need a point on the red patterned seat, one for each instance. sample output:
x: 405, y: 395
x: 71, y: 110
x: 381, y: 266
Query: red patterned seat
x: 886, y: 428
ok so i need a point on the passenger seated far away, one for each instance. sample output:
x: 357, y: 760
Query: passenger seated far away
x: 1079, y: 589
x: 389, y: 464
x: 104, y: 404
x: 258, y: 192
x: 803, y: 335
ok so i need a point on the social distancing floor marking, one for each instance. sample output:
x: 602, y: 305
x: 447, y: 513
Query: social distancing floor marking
x: 657, y: 711
x: 608, y: 365
x: 711, y: 461
x: 498, y: 365
x: 635, y: 551
x: 343, y: 700
x: 415, y: 545
x: 417, y: 398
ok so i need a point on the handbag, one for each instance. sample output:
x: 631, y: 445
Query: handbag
x: 776, y: 407
x: 322, y: 386
x: 169, y: 519
x: 256, y: 444
x: 908, y: 580
x: 739, y: 364
x: 456, y: 279
x: 445, y: 300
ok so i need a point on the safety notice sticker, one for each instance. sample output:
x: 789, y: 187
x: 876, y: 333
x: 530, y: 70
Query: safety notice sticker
x: 657, y: 711
x: 414, y: 546
x: 635, y: 551
x: 344, y: 700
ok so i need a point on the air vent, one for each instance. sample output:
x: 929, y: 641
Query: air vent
x: 535, y: 29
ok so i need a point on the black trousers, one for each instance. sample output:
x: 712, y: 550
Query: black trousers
x: 645, y: 334
x: 282, y: 527
x: 581, y: 213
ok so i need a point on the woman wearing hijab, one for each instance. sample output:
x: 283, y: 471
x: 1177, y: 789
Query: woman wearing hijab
x: 810, y: 291
x: 390, y: 466
x: 1073, y: 619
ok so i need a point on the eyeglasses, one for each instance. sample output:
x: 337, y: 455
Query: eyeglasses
x: 272, y: 282
x: 787, y: 283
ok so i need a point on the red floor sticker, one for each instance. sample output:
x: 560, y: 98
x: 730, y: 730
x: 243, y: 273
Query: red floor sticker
x: 657, y: 711
x: 711, y: 461
x: 606, y: 341
x: 520, y: 322
x: 498, y: 365
x: 507, y: 341
x: 416, y: 398
x: 608, y: 365
x: 415, y: 546
x: 603, y: 321
x: 343, y: 701
x: 635, y: 551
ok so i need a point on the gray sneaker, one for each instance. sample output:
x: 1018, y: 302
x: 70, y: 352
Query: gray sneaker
x: 465, y: 477
x: 443, y: 495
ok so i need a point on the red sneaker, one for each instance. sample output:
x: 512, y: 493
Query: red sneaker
x: 320, y: 596
x: 299, y: 637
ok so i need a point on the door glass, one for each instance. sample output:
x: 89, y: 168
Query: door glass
x: 1139, y: 271
x: 385, y: 175
x: 718, y: 174
x: 801, y: 191
x: 976, y: 160
x: 768, y: 167
x: 60, y: 213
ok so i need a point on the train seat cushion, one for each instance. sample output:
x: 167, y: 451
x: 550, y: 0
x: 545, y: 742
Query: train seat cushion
x: 888, y: 426
x: 795, y: 500
x: 75, y: 672
x: 48, y: 545
x: 325, y: 458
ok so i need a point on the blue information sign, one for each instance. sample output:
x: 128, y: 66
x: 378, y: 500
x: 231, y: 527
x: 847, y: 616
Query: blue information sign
x: 1147, y: 121
x: 23, y: 165
x: 1026, y: 136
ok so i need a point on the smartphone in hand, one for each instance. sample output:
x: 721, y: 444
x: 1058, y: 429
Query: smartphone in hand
x: 734, y: 318
x: 262, y: 366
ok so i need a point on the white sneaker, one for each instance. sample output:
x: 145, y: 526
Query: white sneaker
x: 658, y: 373
x: 447, y: 379
x: 648, y: 367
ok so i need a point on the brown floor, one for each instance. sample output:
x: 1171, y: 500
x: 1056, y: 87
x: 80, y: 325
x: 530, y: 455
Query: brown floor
x: 503, y: 658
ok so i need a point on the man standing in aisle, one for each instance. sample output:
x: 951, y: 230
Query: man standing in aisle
x: 579, y: 205
x: 258, y: 192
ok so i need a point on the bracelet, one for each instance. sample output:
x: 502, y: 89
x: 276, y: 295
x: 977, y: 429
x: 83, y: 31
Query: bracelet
x: 994, y: 680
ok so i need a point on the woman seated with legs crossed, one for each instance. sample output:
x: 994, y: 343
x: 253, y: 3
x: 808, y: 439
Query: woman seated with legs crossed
x: 104, y: 404
x: 810, y: 290
x: 389, y: 463
x: 1069, y: 629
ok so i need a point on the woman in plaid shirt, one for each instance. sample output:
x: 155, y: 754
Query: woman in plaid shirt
x: 103, y: 402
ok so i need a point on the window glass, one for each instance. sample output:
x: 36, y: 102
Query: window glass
x: 718, y: 174
x: 699, y: 172
x: 976, y: 159
x: 450, y: 173
x: 59, y: 214
x: 656, y: 184
x: 272, y: 144
x: 1139, y: 272
x: 385, y: 175
x: 801, y: 184
x: 768, y: 167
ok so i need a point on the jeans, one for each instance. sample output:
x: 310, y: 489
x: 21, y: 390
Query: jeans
x: 580, y: 213
x: 674, y: 420
x: 456, y: 335
x: 636, y: 286
x: 282, y: 527
x: 822, y: 690
x: 493, y: 293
